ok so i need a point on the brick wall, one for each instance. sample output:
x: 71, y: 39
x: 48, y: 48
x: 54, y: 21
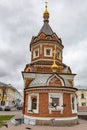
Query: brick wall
x: 43, y: 107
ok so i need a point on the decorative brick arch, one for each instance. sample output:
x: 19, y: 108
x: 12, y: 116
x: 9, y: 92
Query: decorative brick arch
x: 41, y: 36
x: 55, y: 80
x: 28, y: 69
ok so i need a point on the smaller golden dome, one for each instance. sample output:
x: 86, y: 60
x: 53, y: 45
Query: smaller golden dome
x: 46, y: 12
x: 54, y: 67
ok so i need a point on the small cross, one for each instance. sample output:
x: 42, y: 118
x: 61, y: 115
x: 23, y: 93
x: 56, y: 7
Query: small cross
x: 46, y: 5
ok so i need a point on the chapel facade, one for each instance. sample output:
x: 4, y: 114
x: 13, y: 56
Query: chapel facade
x: 49, y: 92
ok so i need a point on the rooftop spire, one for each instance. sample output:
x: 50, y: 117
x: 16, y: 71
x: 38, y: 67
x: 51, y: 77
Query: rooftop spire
x: 46, y: 13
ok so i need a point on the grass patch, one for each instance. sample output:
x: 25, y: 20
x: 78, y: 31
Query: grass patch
x: 4, y: 119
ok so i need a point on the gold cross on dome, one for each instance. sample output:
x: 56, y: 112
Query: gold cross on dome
x: 54, y: 52
x: 46, y: 5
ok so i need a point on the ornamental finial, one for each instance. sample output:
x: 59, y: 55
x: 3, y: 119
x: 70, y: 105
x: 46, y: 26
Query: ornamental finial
x: 46, y: 13
x: 46, y: 5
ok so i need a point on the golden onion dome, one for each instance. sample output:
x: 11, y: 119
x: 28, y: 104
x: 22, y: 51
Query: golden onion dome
x: 45, y: 12
x: 54, y: 67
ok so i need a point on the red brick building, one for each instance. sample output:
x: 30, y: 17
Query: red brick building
x: 49, y: 93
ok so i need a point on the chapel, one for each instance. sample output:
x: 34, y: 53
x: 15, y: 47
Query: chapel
x: 49, y: 92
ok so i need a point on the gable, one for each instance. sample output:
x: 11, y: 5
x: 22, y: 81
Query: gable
x: 41, y: 36
x: 55, y: 81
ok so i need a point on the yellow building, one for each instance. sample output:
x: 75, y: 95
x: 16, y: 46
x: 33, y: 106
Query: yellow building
x: 82, y: 99
x: 8, y: 95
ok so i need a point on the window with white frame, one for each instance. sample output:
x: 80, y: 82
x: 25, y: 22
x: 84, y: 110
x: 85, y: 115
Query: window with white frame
x: 36, y: 53
x: 55, y: 101
x: 33, y: 102
x: 73, y: 103
x: 48, y: 52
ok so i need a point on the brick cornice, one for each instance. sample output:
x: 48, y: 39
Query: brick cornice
x: 44, y: 41
x: 51, y: 89
x: 47, y: 73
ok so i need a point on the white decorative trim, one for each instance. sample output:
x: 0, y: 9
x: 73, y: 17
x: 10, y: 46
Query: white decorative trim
x: 28, y: 75
x: 45, y: 60
x: 42, y: 60
x: 58, y: 108
x: 59, y: 119
x: 69, y: 76
x: 57, y: 78
x: 75, y: 103
x: 47, y: 44
x: 40, y: 48
x: 59, y: 54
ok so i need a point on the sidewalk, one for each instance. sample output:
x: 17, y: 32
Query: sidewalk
x: 81, y: 126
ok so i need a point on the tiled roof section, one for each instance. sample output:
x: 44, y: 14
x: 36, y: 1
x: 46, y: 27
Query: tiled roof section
x: 46, y: 29
x: 40, y: 80
x: 65, y: 69
x: 67, y: 83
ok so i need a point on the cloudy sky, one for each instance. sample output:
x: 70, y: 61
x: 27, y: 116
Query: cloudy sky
x: 22, y: 19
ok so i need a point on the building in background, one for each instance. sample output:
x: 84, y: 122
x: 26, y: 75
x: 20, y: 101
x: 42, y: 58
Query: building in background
x: 9, y: 95
x: 82, y: 98
x: 49, y: 93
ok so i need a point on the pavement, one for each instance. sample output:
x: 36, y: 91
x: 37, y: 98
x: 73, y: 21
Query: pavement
x: 81, y: 126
